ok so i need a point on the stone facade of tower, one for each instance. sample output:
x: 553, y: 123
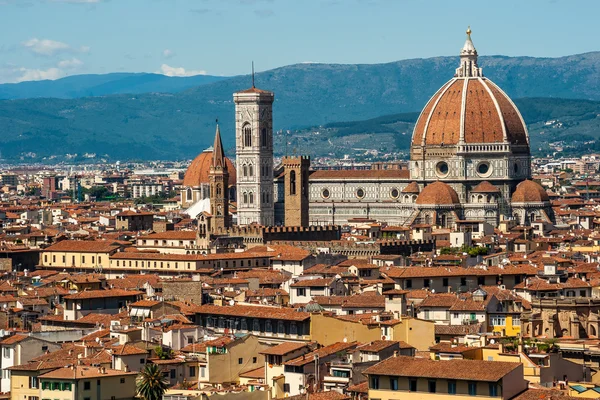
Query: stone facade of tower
x: 218, y: 178
x: 296, y: 192
x: 254, y: 156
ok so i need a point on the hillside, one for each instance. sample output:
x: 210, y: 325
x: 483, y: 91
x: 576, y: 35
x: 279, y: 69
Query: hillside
x: 571, y: 126
x: 102, y: 85
x: 179, y: 125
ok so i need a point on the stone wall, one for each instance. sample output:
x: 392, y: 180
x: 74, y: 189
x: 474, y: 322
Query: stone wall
x: 183, y: 291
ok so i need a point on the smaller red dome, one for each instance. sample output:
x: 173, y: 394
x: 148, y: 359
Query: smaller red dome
x: 438, y: 193
x: 485, y: 187
x: 412, y: 187
x: 197, y: 172
x: 529, y: 192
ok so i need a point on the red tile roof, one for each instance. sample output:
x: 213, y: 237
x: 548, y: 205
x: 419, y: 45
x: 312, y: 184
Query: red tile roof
x: 252, y: 312
x: 472, y: 370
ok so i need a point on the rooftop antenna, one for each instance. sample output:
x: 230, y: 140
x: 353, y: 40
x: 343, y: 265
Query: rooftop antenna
x: 252, y: 74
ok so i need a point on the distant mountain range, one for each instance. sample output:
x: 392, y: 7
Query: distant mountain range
x: 569, y: 125
x: 178, y: 122
x: 102, y: 85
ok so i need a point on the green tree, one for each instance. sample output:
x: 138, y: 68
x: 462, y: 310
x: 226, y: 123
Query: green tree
x: 151, y: 384
x: 162, y: 353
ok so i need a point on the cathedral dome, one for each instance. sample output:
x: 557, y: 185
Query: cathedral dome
x: 438, y: 193
x: 469, y: 109
x: 197, y: 172
x: 529, y: 192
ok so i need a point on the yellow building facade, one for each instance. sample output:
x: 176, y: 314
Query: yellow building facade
x: 326, y: 330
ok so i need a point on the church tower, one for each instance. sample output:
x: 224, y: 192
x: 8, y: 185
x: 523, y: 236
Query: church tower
x: 296, y: 171
x: 254, y: 156
x: 218, y: 179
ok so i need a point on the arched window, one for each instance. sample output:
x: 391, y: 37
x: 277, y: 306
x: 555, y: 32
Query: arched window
x: 189, y: 194
x: 251, y: 170
x: 532, y: 217
x: 247, y: 132
x: 245, y: 168
x: 292, y: 183
x: 245, y: 198
x: 251, y: 196
x: 218, y: 190
x: 263, y: 137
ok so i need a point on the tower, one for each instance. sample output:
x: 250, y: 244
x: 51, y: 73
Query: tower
x: 218, y: 179
x: 254, y: 156
x: 296, y: 203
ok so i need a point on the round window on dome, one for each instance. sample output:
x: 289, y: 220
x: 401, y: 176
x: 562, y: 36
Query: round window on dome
x: 442, y: 168
x: 395, y: 193
x: 360, y: 193
x: 484, y: 169
x: 325, y: 193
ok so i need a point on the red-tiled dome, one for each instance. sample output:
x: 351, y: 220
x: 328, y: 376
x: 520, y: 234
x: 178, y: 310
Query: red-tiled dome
x: 485, y: 187
x: 438, y: 193
x: 197, y: 172
x: 477, y: 107
x: 412, y: 187
x: 472, y: 106
x: 529, y: 192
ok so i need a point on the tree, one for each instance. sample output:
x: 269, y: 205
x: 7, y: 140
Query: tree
x: 151, y: 384
x: 163, y: 354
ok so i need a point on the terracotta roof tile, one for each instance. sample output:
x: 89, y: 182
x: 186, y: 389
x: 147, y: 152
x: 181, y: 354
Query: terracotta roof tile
x: 473, y: 370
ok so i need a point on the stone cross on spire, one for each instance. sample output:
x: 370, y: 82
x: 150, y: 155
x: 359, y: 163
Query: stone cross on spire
x: 468, y: 60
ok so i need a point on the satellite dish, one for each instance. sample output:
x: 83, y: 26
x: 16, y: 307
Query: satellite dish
x: 345, y: 340
x: 432, y: 290
x: 492, y: 341
x: 231, y: 302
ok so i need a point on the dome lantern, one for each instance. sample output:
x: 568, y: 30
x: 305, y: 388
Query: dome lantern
x: 468, y: 60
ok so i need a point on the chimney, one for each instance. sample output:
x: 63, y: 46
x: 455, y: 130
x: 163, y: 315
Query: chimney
x: 126, y: 369
x: 395, y: 353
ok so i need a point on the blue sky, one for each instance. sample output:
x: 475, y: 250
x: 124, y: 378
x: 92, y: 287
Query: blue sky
x: 47, y: 39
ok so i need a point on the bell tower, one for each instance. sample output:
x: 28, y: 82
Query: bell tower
x: 254, y: 156
x: 218, y: 179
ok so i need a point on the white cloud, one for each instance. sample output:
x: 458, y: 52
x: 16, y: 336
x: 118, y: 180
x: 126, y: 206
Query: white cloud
x: 10, y: 73
x: 48, y: 47
x: 70, y: 64
x: 168, y: 53
x: 45, y: 47
x: 178, y: 71
x: 27, y: 74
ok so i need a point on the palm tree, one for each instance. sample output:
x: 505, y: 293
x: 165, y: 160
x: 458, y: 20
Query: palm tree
x: 151, y: 384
